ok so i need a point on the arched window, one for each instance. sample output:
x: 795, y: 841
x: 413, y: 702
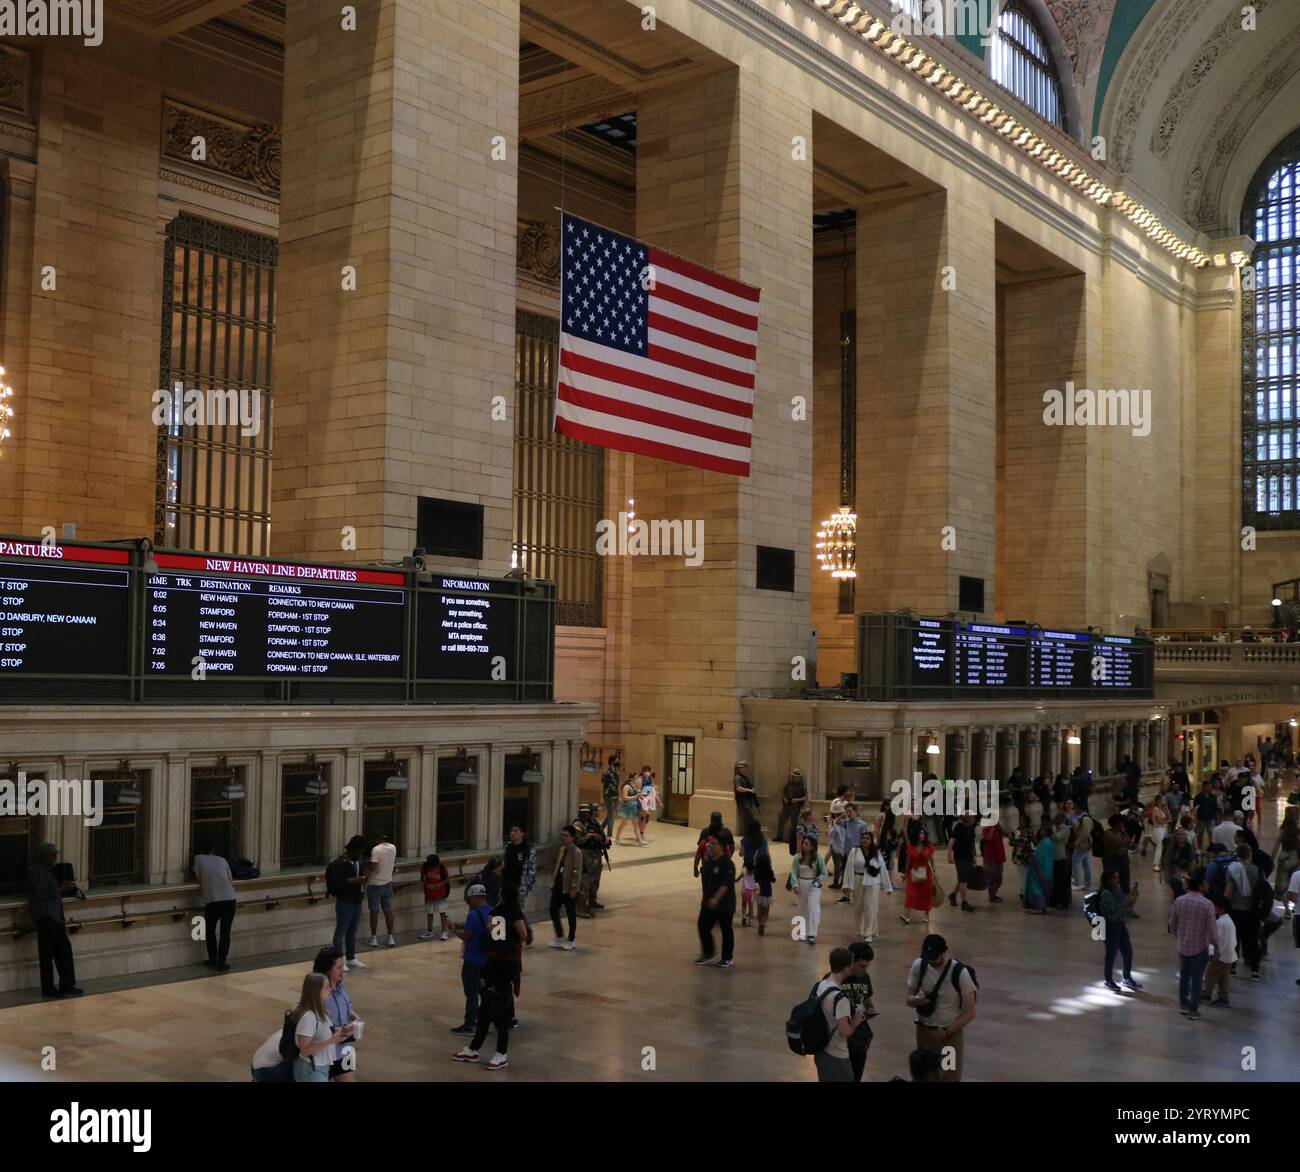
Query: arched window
x: 1023, y: 63
x: 1270, y: 341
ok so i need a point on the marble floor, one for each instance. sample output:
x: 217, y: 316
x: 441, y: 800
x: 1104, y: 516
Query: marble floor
x: 629, y: 998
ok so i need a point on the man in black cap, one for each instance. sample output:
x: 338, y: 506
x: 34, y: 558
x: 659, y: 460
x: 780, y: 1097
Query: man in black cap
x: 590, y: 838
x: 345, y: 880
x: 942, y: 991
x: 714, y: 829
x: 45, y: 902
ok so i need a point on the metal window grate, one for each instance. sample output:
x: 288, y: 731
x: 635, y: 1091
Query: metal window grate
x: 215, y: 820
x: 1270, y: 382
x: 117, y: 844
x: 381, y: 808
x: 20, y: 835
x: 1022, y: 63
x: 302, y: 821
x: 559, y: 492
x: 213, y: 486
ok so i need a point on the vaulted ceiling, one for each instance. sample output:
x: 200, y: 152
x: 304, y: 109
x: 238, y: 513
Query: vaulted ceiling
x: 1188, y: 101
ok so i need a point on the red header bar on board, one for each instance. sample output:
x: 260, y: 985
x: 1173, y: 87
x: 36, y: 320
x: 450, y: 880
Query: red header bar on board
x: 34, y: 550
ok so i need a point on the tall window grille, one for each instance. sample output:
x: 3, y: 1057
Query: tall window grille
x: 302, y: 819
x: 1270, y: 429
x: 20, y: 835
x: 117, y: 844
x: 215, y: 818
x: 559, y: 492
x: 1022, y: 63
x: 213, y: 487
x: 381, y: 807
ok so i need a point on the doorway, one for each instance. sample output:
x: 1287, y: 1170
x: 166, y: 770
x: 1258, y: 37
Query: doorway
x: 679, y: 778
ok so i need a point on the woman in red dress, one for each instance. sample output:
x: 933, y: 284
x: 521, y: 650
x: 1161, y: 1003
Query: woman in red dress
x: 920, y: 878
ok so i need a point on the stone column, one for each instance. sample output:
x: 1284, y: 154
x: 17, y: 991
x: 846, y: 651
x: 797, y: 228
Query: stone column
x: 167, y: 804
x: 721, y: 183
x: 348, y: 822
x: 262, y: 810
x: 400, y: 162
x: 926, y: 401
x: 1141, y: 750
x: 490, y: 805
x: 428, y: 828
x: 963, y: 752
x: 988, y: 758
x: 1124, y: 742
x: 1089, y: 754
x: 1052, y: 764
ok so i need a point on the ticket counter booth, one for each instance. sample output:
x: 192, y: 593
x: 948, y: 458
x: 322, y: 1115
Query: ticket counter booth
x: 855, y: 762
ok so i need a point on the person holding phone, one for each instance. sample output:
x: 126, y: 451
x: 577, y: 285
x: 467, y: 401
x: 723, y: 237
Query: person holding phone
x: 842, y: 1020
x: 317, y: 1039
x: 338, y: 1007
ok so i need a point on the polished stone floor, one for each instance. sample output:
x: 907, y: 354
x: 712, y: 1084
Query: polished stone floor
x: 593, y: 1013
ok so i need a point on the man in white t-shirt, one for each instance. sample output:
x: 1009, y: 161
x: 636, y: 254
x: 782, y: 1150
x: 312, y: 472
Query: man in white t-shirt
x: 1226, y: 832
x: 942, y: 991
x: 832, y: 1060
x: 217, y: 894
x: 379, y: 890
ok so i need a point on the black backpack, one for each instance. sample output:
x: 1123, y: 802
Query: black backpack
x: 806, y: 1031
x: 503, y: 949
x: 954, y: 969
x: 289, y: 1038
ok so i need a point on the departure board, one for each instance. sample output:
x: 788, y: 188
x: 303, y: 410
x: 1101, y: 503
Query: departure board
x: 902, y: 656
x: 465, y: 632
x: 236, y: 618
x: 62, y: 618
x: 1060, y: 660
x: 990, y: 656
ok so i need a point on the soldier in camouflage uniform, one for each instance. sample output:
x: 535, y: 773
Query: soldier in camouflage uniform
x: 592, y: 841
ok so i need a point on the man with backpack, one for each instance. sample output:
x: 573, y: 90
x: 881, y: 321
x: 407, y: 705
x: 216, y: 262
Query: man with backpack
x: 942, y: 991
x: 1245, y: 890
x: 839, y: 1020
x: 345, y: 880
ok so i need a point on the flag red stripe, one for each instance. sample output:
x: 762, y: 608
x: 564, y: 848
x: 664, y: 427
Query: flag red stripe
x: 670, y: 325
x: 649, y: 382
x: 724, y: 374
x: 643, y: 447
x: 666, y: 419
x: 732, y: 317
x: 705, y: 276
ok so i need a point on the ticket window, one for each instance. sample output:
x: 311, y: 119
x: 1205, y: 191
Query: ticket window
x: 521, y: 797
x: 303, y: 816
x: 216, y: 814
x: 20, y: 835
x: 117, y: 844
x: 383, y: 806
x: 455, y: 828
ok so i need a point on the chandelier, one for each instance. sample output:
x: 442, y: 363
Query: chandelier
x: 6, y: 410
x: 837, y: 543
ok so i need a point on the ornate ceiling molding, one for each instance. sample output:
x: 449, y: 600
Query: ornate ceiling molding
x: 246, y: 153
x: 1202, y: 191
x: 537, y: 254
x: 15, y: 79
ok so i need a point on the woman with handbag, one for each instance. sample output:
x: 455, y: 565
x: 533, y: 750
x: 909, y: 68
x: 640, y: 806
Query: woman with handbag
x: 865, y: 870
x: 921, y: 879
x: 806, y: 878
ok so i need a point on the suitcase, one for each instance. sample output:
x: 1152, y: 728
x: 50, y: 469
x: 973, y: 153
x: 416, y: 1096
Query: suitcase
x: 977, y: 880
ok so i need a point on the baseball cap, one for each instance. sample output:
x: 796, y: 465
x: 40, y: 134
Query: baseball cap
x: 933, y: 947
x: 475, y: 889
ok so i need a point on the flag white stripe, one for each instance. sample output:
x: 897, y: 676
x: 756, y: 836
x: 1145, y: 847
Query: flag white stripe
x: 700, y: 351
x: 643, y: 365
x: 693, y: 317
x: 665, y: 276
x: 648, y: 431
x: 625, y: 394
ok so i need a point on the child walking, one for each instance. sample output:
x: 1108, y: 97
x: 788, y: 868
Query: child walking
x: 437, y: 887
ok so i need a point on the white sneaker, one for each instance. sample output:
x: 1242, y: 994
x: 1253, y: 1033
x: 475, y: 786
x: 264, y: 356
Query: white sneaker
x: 346, y: 969
x: 558, y: 943
x: 373, y: 942
x: 392, y: 941
x: 445, y: 936
x: 465, y: 1054
x: 428, y: 935
x: 356, y: 964
x: 568, y: 946
x: 498, y: 1062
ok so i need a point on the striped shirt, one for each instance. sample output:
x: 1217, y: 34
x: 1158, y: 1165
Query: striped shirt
x: 1192, y: 920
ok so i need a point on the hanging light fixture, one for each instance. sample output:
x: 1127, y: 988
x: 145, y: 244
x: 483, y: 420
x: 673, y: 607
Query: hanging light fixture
x: 466, y: 776
x: 590, y: 758
x: 130, y: 794
x: 532, y: 775
x: 837, y: 544
x: 397, y: 780
x: 317, y: 787
x: 6, y: 406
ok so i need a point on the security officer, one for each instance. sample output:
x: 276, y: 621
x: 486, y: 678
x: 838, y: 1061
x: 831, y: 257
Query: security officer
x: 592, y: 841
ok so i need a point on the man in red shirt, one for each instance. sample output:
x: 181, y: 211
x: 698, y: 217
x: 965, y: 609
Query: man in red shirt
x: 994, y: 852
x: 1192, y: 920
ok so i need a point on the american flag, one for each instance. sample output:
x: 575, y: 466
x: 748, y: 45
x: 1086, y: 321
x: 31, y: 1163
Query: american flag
x: 657, y: 354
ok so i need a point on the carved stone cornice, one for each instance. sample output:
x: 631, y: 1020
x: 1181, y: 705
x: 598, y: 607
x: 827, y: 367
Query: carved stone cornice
x: 218, y: 189
x: 249, y: 154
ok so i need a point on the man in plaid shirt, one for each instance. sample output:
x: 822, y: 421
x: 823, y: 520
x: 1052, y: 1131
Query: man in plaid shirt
x: 1192, y: 920
x: 45, y: 903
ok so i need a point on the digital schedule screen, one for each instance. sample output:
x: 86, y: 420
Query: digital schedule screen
x: 258, y: 619
x: 1121, y: 665
x: 60, y: 618
x: 989, y: 656
x: 465, y: 632
x: 1060, y: 660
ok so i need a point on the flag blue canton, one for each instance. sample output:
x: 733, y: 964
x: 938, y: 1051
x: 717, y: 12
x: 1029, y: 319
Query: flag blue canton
x: 601, y: 288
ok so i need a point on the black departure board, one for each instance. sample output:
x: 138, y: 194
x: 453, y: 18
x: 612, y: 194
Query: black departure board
x: 272, y: 619
x: 465, y: 632
x: 59, y: 616
x: 902, y: 657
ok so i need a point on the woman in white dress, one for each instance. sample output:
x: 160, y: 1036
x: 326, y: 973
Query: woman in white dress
x: 864, y: 872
